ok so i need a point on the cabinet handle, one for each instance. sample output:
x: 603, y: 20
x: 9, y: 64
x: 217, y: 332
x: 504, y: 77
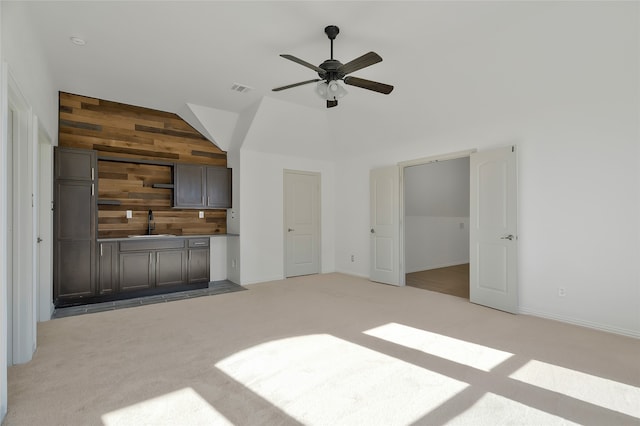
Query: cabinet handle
x: 203, y: 200
x: 92, y: 174
x: 100, y: 249
x: 199, y: 244
x: 150, y: 261
x: 189, y: 254
x: 92, y: 191
x: 208, y: 200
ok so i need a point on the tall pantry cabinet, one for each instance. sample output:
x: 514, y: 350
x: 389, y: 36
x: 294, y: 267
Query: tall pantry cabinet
x: 74, y: 223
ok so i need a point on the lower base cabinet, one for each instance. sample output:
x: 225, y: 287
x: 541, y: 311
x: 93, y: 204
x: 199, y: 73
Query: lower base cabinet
x: 136, y: 272
x: 171, y: 267
x: 130, y: 266
x: 198, y: 260
x: 107, y: 268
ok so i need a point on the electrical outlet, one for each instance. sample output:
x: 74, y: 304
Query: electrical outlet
x: 562, y: 292
x: 129, y: 214
x: 353, y: 258
x: 201, y: 214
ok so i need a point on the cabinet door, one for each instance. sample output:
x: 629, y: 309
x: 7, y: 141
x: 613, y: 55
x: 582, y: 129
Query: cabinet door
x: 189, y: 181
x: 74, y: 254
x: 198, y: 265
x: 171, y: 268
x: 218, y: 187
x: 74, y: 224
x: 75, y: 164
x: 136, y: 270
x: 107, y: 268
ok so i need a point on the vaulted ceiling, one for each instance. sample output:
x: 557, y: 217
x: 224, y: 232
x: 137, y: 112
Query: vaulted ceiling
x: 452, y: 63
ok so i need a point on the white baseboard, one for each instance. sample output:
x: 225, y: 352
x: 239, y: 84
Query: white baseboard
x: 583, y: 323
x: 264, y: 280
x: 353, y: 274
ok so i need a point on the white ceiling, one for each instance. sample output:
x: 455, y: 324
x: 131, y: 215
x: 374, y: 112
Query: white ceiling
x: 452, y: 63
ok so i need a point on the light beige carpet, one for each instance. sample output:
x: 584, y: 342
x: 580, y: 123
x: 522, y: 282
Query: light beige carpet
x: 324, y: 350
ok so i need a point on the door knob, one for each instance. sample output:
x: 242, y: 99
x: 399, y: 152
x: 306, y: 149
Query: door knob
x: 290, y: 230
x: 507, y: 237
x: 373, y: 231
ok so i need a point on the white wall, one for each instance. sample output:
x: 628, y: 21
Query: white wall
x: 24, y: 58
x: 435, y: 242
x: 3, y: 236
x: 262, y: 229
x: 436, y: 207
x: 27, y: 62
x: 274, y: 142
x: 579, y: 192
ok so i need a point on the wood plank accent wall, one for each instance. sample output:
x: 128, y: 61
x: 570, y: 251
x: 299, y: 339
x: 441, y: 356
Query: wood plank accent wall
x: 136, y: 133
x: 120, y: 130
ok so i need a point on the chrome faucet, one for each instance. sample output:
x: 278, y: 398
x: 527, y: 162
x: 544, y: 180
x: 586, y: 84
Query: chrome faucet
x: 150, y: 226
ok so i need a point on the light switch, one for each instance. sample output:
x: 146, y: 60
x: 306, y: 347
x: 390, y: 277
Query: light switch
x: 129, y: 214
x: 201, y: 215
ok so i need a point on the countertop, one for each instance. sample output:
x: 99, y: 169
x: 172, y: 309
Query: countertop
x: 164, y: 236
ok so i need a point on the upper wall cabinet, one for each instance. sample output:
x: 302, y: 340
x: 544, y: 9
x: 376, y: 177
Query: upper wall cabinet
x: 75, y: 164
x: 202, y: 187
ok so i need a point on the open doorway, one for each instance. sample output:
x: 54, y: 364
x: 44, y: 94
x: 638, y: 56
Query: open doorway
x: 436, y: 225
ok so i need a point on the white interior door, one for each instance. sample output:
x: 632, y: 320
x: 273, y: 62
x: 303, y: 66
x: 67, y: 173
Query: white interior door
x: 493, y: 231
x: 301, y: 223
x: 384, y: 187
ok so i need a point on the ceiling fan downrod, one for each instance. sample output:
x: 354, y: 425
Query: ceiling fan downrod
x: 331, y: 31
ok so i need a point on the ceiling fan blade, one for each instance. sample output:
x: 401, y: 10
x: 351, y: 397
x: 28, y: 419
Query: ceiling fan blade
x: 362, y: 62
x: 368, y: 84
x: 331, y: 104
x: 305, y: 63
x: 289, y: 86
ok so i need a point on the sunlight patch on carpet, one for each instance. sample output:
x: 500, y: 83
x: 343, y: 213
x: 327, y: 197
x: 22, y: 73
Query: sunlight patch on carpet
x: 595, y: 390
x: 322, y: 380
x: 460, y: 351
x: 491, y: 407
x: 184, y: 406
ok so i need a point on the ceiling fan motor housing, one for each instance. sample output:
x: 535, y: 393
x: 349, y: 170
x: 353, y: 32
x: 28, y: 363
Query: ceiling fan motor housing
x: 331, y: 66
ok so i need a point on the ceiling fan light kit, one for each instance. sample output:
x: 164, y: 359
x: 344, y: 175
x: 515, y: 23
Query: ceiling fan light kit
x: 332, y: 71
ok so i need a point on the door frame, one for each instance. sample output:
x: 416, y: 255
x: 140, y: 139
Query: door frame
x: 318, y: 175
x: 418, y: 162
x: 44, y: 220
x: 23, y: 309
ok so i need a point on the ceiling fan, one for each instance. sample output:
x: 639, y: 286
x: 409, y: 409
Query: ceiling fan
x: 332, y: 70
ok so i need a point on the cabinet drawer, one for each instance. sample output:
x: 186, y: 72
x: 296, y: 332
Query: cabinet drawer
x: 199, y: 242
x: 152, y: 244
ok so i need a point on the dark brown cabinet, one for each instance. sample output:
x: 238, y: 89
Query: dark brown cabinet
x: 171, y: 268
x: 107, y: 268
x: 203, y: 187
x: 218, y: 189
x: 189, y: 185
x: 198, y: 260
x: 136, y: 270
x: 74, y: 224
x: 155, y: 263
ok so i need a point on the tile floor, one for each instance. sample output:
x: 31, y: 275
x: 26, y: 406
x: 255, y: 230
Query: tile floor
x: 216, y: 287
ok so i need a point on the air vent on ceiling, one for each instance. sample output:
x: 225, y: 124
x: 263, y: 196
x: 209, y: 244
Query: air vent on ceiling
x: 240, y: 88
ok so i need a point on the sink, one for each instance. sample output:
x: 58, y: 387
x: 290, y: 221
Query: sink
x: 151, y: 236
